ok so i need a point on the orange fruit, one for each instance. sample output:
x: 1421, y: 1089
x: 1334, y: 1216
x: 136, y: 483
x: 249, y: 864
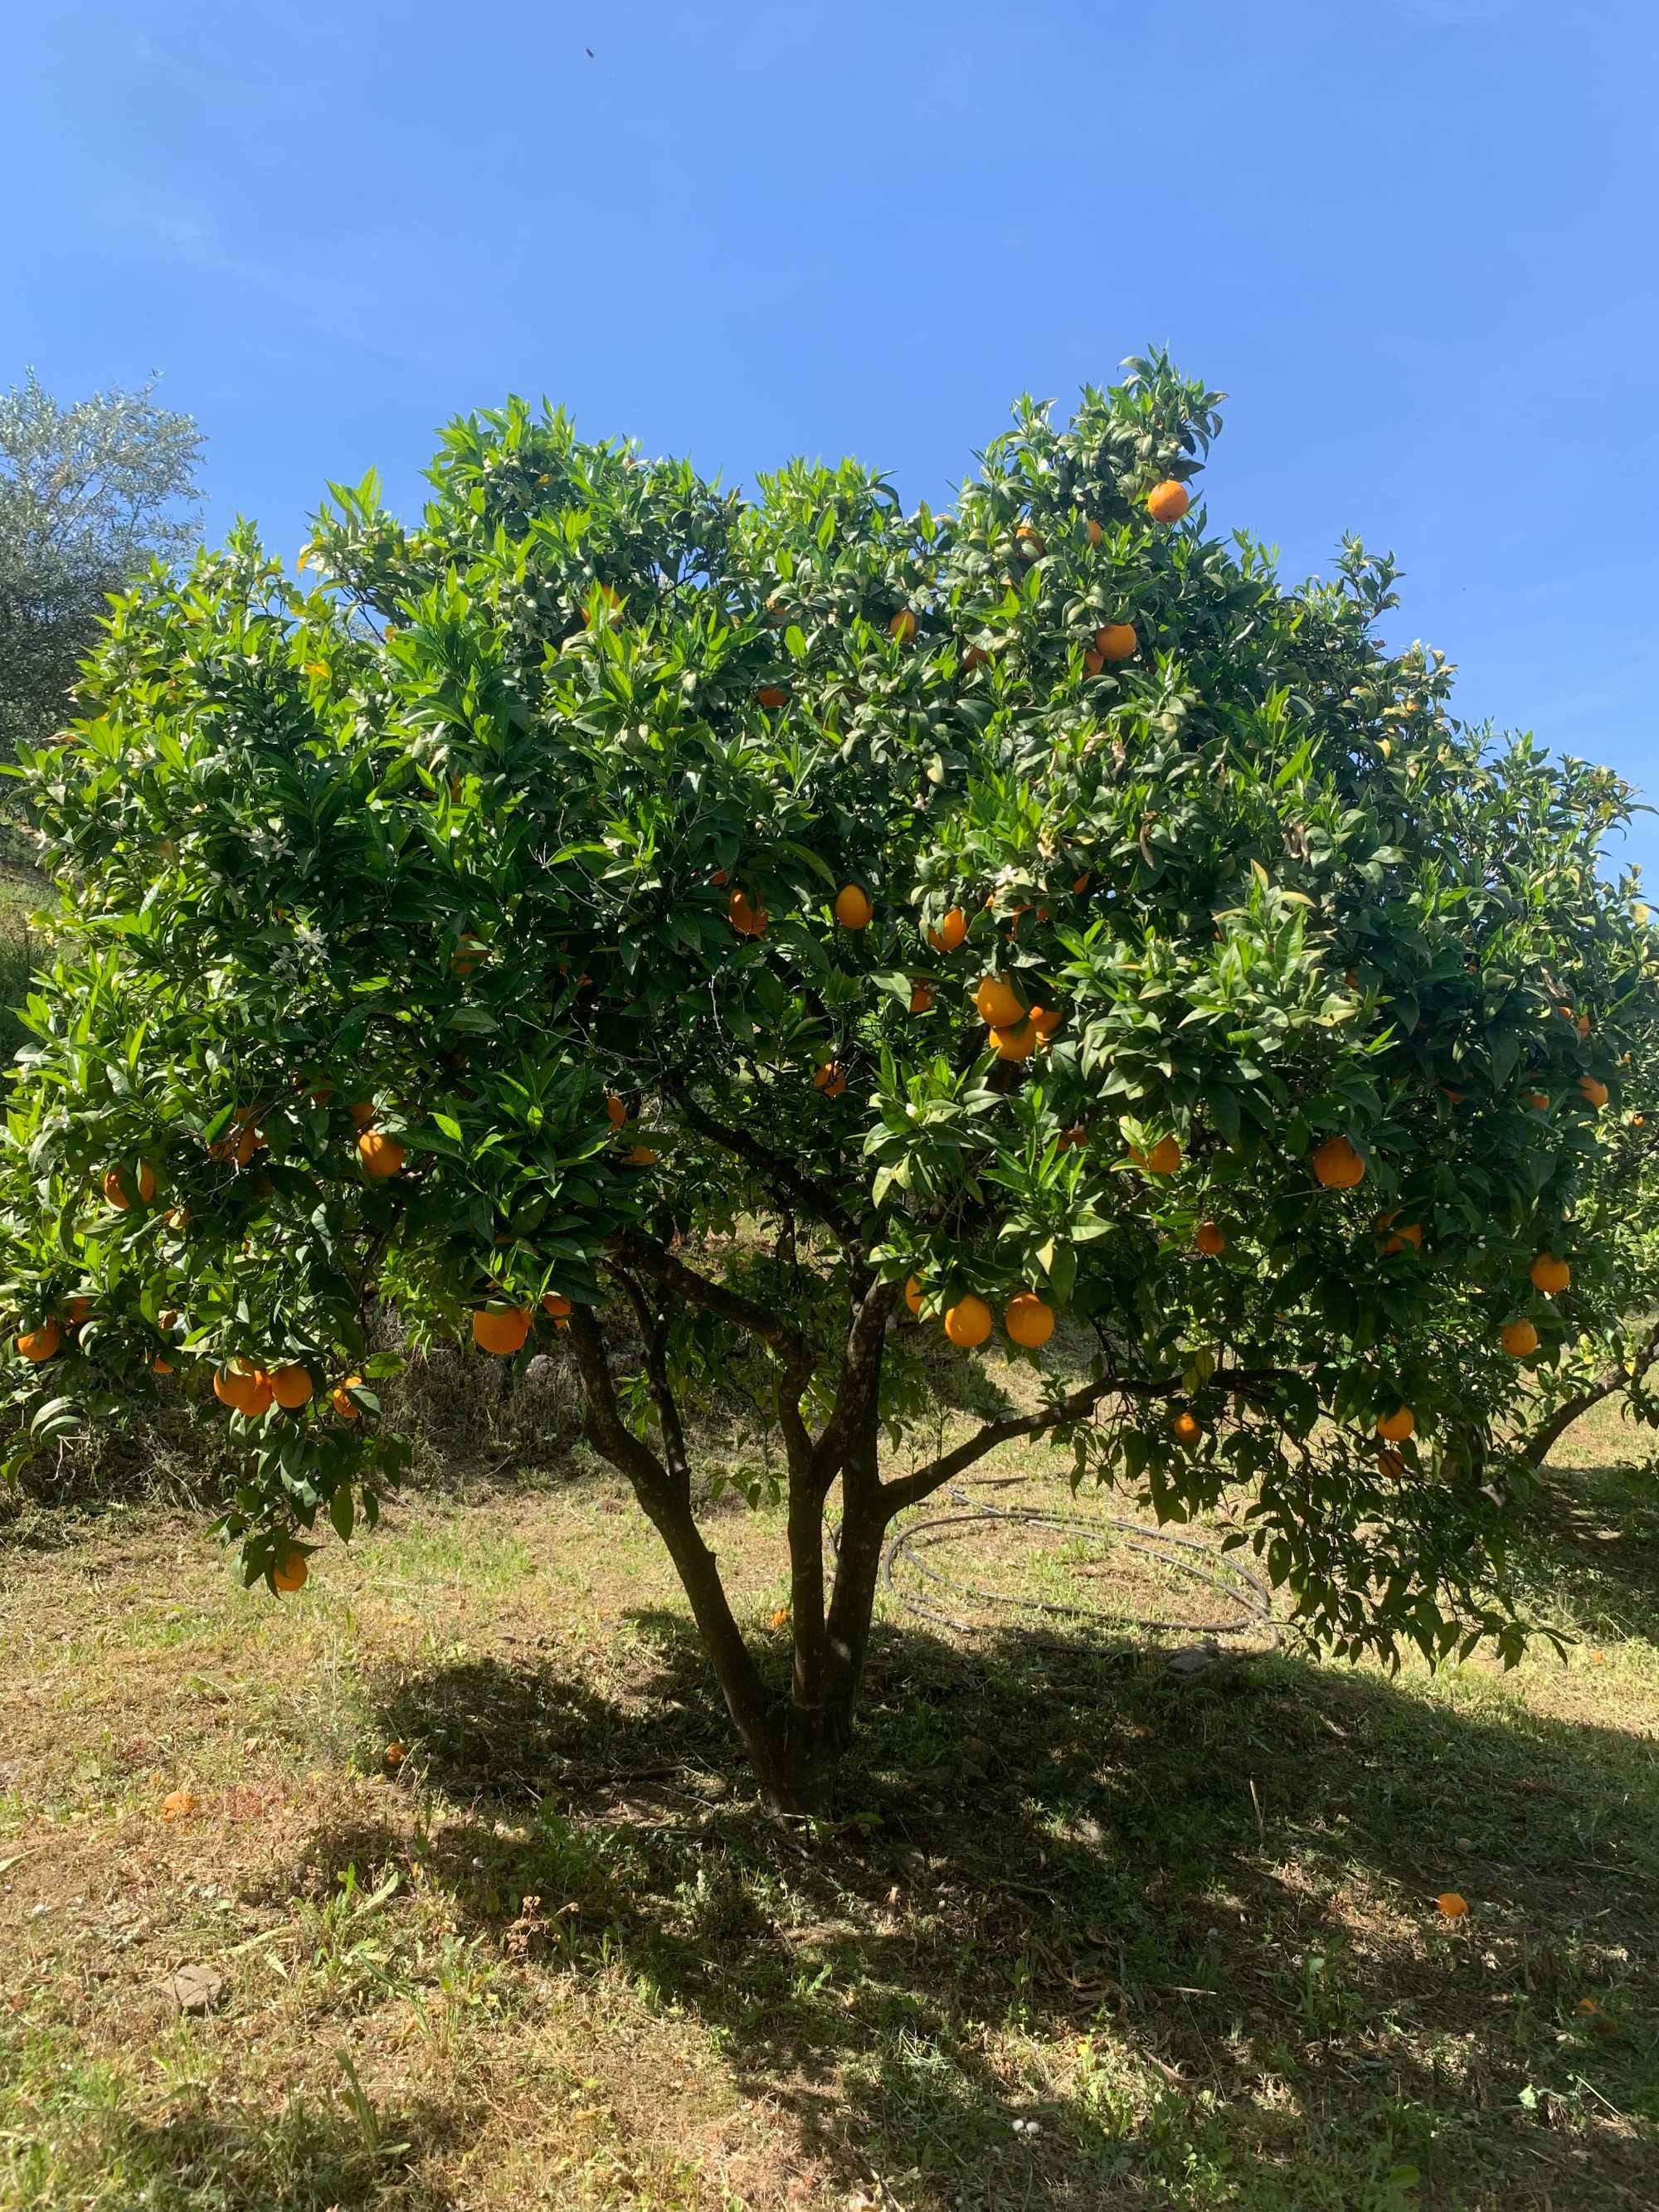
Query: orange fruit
x: 1337, y: 1166
x: 1074, y: 1138
x: 1390, y: 1465
x: 1164, y: 1158
x: 557, y: 1306
x: 976, y: 657
x: 291, y: 1386
x: 611, y: 599
x: 1186, y: 1428
x: 921, y: 998
x: 1540, y: 1099
x: 289, y: 1574
x: 1116, y: 640
x: 1393, y: 1428
x: 79, y: 1309
x: 616, y: 1112
x: 115, y: 1186
x: 1169, y: 501
x: 772, y: 696
x: 968, y: 1322
x: 1584, y: 1026
x: 1093, y: 662
x: 998, y: 1002
x: 469, y: 956
x: 1027, y: 543
x: 853, y: 908
x: 363, y: 1113
x: 1047, y: 1019
x: 1451, y: 1904
x: 500, y: 1328
x: 953, y: 928
x: 1211, y: 1239
x: 381, y: 1156
x: 1410, y: 1234
x: 1018, y: 1042
x: 1549, y: 1274
x: 395, y: 1753
x: 178, y: 1804
x: 903, y: 626
x: 341, y: 1400
x: 830, y: 1079
x: 744, y: 916
x: 1595, y: 1090
x: 1029, y: 1320
x: 1095, y: 533
x: 160, y: 1366
x: 244, y: 1387
x: 641, y: 1156
x: 1080, y: 884
x: 39, y: 1344
x: 912, y: 1296
x: 1518, y: 1338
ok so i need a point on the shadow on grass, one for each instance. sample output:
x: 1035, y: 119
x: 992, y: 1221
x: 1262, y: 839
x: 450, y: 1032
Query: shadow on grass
x: 1588, y: 1547
x: 1216, y: 1898
x: 311, y: 2155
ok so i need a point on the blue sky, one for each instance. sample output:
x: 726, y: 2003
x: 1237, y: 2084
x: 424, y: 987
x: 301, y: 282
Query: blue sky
x: 1411, y: 239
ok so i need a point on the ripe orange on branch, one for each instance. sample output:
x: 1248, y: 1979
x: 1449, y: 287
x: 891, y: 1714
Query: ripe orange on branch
x: 1169, y: 501
x: 1029, y: 1321
x: 1164, y: 1158
x: 999, y: 1005
x: 1550, y: 1274
x: 1518, y: 1338
x: 967, y: 1323
x: 39, y: 1344
x: 381, y: 1156
x: 953, y: 928
x: 291, y: 1387
x: 1116, y: 640
x: 852, y: 906
x: 1396, y: 1426
x: 500, y: 1330
x: 748, y: 919
x: 1337, y: 1166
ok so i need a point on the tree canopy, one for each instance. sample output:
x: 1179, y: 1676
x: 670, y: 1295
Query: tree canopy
x: 89, y: 494
x: 787, y: 937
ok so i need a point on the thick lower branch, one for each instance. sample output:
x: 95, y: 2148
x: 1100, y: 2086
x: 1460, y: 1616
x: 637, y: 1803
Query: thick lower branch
x: 1541, y: 1441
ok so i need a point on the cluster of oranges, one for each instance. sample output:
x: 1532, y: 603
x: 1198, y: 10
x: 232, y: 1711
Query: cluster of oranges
x: 251, y: 1390
x: 504, y: 1329
x: 1028, y: 1319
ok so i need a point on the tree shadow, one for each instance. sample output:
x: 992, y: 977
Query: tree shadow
x: 310, y: 2156
x: 1220, y: 1892
x: 1588, y: 1546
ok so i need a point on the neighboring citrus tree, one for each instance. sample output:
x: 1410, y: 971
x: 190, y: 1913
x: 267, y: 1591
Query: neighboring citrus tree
x: 1611, y: 1350
x: 788, y: 938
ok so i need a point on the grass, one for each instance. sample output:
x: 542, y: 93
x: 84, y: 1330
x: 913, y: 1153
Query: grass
x: 1086, y: 1935
x: 21, y: 894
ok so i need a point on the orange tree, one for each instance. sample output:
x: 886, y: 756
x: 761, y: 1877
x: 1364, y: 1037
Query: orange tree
x: 795, y: 938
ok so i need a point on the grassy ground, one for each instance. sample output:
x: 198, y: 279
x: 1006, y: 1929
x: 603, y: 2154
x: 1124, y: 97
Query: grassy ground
x: 1089, y: 1935
x: 20, y: 893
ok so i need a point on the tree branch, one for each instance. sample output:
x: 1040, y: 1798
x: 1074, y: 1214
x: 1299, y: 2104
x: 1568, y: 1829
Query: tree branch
x: 654, y: 1330
x: 858, y: 1387
x: 911, y: 1489
x: 801, y: 1189
x: 655, y: 1259
x: 607, y: 1432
